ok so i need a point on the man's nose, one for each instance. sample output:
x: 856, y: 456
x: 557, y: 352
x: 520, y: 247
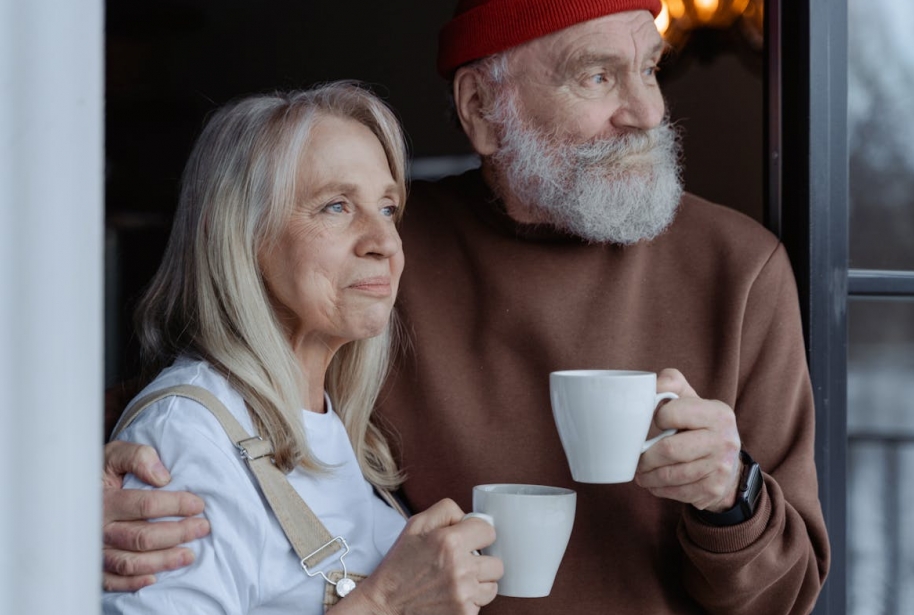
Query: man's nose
x: 641, y: 107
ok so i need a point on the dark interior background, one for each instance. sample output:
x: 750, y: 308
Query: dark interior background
x: 170, y: 62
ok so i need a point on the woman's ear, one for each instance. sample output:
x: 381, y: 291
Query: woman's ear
x: 470, y: 101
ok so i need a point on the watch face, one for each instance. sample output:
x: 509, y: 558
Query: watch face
x: 753, y: 486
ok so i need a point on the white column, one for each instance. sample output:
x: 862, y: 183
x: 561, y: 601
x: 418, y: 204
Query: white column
x: 51, y: 220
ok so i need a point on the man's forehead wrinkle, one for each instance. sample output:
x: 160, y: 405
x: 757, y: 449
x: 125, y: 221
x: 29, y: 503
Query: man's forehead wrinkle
x: 555, y: 57
x: 562, y: 57
x: 537, y: 61
x: 585, y: 57
x: 603, y: 49
x: 648, y: 34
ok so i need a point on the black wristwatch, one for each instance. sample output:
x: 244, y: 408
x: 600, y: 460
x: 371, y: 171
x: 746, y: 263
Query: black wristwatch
x: 747, y: 496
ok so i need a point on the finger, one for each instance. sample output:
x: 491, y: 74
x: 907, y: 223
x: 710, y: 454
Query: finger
x: 144, y: 536
x: 131, y: 504
x: 676, y: 475
x: 672, y: 381
x: 126, y: 564
x: 701, y: 494
x: 137, y: 459
x: 710, y: 480
x: 441, y: 514
x: 475, y: 533
x: 687, y: 494
x: 691, y: 445
x: 696, y: 413
x: 486, y: 593
x: 489, y: 569
x: 115, y: 583
x: 683, y: 447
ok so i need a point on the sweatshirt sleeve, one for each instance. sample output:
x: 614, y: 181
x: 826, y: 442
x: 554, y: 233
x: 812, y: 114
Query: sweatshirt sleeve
x: 224, y: 575
x: 775, y: 562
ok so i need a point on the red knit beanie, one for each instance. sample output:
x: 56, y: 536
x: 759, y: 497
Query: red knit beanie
x: 481, y: 28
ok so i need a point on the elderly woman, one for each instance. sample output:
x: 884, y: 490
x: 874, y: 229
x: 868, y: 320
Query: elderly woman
x: 275, y: 295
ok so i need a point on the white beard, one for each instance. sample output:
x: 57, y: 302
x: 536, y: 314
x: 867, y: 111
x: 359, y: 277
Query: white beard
x: 619, y: 190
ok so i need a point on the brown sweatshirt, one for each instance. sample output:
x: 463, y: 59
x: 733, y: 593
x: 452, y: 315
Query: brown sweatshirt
x: 491, y: 307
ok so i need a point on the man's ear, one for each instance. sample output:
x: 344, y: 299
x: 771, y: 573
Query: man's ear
x: 470, y: 100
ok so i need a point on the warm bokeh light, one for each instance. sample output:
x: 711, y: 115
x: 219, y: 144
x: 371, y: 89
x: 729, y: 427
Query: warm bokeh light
x: 678, y: 18
x: 663, y: 20
x: 676, y: 8
x: 705, y: 9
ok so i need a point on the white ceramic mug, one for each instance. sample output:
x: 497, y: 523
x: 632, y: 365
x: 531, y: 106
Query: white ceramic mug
x: 532, y: 527
x: 603, y: 418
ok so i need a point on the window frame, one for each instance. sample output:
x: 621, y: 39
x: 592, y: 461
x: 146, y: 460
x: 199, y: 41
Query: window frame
x: 807, y: 206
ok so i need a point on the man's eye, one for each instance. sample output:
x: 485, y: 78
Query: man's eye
x: 599, y: 79
x: 335, y: 208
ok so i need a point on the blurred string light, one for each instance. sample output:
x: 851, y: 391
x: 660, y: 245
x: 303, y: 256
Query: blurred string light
x: 678, y: 19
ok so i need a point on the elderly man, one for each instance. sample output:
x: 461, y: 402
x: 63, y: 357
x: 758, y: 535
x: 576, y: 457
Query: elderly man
x: 574, y: 247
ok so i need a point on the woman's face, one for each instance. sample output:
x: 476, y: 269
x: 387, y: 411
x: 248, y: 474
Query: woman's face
x: 333, y: 273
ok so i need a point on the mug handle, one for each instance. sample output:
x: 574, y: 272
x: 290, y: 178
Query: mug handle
x: 475, y: 515
x: 669, y: 432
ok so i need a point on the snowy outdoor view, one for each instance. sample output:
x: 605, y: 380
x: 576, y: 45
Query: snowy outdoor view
x: 881, y: 332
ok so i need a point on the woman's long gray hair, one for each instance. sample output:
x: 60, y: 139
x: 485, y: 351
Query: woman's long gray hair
x: 208, y: 298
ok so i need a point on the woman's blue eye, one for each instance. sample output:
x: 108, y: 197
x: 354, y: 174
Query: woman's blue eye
x: 336, y: 208
x: 599, y: 79
x: 390, y: 211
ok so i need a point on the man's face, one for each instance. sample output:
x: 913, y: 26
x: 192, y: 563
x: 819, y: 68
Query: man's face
x: 582, y: 141
x: 593, y: 80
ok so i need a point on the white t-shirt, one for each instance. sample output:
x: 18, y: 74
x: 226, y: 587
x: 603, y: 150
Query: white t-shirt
x: 246, y: 564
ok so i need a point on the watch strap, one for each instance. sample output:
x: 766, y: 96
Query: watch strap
x: 747, y: 496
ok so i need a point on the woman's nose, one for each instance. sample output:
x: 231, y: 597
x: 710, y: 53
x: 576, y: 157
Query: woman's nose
x: 379, y: 236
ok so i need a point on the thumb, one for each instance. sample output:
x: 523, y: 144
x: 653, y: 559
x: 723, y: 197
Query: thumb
x: 130, y: 458
x: 672, y: 381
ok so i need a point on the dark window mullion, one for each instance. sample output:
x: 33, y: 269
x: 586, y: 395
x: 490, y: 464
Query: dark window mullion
x: 813, y: 205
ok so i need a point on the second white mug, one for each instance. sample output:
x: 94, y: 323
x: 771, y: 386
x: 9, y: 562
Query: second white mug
x: 603, y: 418
x: 532, y: 527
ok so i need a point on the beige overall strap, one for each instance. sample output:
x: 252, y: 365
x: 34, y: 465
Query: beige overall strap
x: 310, y: 539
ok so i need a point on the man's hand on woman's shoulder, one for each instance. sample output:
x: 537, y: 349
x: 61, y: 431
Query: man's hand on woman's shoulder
x: 134, y: 549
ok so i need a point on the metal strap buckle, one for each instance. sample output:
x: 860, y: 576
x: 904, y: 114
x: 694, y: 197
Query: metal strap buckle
x: 344, y: 585
x: 240, y: 445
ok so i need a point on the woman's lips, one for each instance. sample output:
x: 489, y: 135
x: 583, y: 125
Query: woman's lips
x: 379, y: 286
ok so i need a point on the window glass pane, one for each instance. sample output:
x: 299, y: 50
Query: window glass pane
x: 880, y: 553
x: 881, y: 133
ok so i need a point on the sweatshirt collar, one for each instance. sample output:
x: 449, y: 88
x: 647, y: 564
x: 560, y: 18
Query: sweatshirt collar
x: 491, y: 210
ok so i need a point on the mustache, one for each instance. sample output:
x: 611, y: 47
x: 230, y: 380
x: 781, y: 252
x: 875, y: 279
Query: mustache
x: 622, y: 150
